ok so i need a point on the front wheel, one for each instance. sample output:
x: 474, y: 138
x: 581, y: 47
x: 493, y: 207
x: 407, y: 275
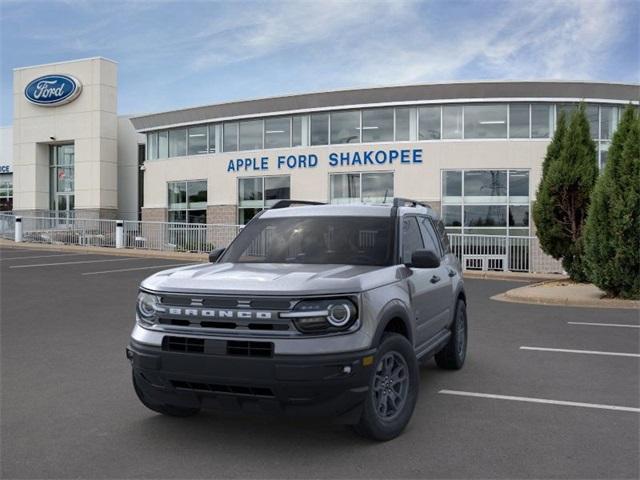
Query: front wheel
x: 393, y: 390
x: 452, y: 356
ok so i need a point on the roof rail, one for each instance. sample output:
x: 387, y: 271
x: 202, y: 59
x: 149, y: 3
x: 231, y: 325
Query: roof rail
x: 293, y: 203
x: 407, y: 202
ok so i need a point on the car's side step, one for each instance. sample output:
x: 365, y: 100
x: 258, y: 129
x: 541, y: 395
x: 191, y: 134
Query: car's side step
x: 436, y: 343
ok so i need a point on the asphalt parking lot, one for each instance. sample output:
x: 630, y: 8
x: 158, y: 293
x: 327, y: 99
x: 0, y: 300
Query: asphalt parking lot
x: 68, y: 409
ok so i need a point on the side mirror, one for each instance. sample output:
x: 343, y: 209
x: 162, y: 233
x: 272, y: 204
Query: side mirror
x: 424, y: 259
x: 215, y: 254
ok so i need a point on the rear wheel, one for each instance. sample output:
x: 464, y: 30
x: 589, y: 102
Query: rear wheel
x: 393, y: 390
x: 165, y: 409
x: 454, y: 353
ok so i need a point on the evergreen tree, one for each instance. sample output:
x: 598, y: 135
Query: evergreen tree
x: 563, y: 197
x: 612, y: 233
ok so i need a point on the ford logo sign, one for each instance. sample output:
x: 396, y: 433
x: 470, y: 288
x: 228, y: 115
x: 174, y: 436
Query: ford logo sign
x: 53, y: 90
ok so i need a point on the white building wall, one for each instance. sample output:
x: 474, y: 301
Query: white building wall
x: 90, y: 122
x: 128, y: 169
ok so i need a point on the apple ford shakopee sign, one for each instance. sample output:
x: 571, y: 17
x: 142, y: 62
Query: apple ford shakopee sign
x: 53, y: 90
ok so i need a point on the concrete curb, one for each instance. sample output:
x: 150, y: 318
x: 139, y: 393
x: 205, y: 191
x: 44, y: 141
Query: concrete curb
x: 514, y: 276
x: 125, y: 252
x: 569, y: 296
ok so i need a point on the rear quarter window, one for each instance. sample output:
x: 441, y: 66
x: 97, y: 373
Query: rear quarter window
x: 442, y: 233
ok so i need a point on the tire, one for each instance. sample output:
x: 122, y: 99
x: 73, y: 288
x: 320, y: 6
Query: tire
x: 454, y: 353
x: 385, y: 415
x: 165, y: 409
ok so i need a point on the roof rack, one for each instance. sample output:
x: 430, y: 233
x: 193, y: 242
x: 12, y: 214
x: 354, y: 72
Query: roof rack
x: 407, y: 202
x: 293, y: 203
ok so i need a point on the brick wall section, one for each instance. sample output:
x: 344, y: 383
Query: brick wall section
x: 154, y: 214
x: 222, y: 214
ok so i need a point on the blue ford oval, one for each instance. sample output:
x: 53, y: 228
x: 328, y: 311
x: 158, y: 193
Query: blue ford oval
x: 52, y: 90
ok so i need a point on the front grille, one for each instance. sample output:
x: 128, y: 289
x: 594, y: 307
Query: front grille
x: 228, y: 389
x: 250, y: 349
x: 264, y: 325
x: 226, y: 302
x: 183, y: 344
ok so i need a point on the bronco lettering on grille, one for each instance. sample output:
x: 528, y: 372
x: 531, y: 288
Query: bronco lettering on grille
x: 214, y: 313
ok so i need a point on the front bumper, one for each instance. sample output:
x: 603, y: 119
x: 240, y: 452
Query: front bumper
x: 313, y: 385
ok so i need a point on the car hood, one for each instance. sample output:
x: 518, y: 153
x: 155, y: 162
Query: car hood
x: 271, y: 279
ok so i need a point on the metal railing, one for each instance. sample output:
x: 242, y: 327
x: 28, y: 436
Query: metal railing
x: 501, y: 253
x: 69, y: 231
x: 7, y: 226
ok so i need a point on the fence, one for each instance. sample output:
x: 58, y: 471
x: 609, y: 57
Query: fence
x: 501, y: 253
x: 476, y: 252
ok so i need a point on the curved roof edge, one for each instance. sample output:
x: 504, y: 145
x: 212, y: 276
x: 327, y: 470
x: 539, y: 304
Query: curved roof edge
x: 392, y: 94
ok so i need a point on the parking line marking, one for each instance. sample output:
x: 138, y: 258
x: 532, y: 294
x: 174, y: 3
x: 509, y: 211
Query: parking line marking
x: 541, y: 400
x: 75, y: 263
x: 588, y: 352
x: 139, y: 268
x: 622, y: 325
x: 42, y: 256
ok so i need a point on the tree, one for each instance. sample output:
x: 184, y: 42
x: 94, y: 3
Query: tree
x: 563, y: 198
x: 612, y: 232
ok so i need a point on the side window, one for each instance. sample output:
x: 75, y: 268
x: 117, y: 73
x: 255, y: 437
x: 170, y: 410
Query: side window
x: 411, y: 238
x: 444, y: 239
x: 430, y: 239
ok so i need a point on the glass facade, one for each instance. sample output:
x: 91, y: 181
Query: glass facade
x: 187, y: 201
x: 61, y: 179
x: 257, y: 193
x: 6, y: 192
x: 370, y: 187
x: 487, y: 202
x: 382, y: 124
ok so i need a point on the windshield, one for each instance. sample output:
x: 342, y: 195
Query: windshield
x: 319, y: 240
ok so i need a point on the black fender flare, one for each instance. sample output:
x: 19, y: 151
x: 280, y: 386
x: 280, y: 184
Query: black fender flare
x: 393, y: 309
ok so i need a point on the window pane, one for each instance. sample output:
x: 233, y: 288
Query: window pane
x: 64, y: 179
x: 277, y: 132
x: 411, y: 238
x: 541, y: 120
x: 276, y: 188
x: 345, y: 127
x: 377, y: 187
x: 592, y: 117
x: 163, y: 144
x: 377, y: 125
x: 403, y: 124
x: 197, y: 216
x: 251, y: 192
x: 451, y: 186
x: 608, y: 122
x: 429, y: 123
x: 230, y: 137
x: 519, y: 216
x: 178, y: 216
x: 485, y: 121
x: 452, y: 121
x: 197, y: 194
x: 320, y: 129
x: 197, y: 140
x: 519, y: 120
x: 251, y: 135
x: 178, y: 142
x: 246, y: 214
x: 177, y: 195
x: 429, y: 236
x: 345, y: 188
x: 604, y: 152
x: 152, y: 146
x: 485, y: 216
x: 568, y: 109
x: 296, y: 131
x: 212, y: 138
x: 485, y: 186
x: 518, y: 186
x: 452, y: 215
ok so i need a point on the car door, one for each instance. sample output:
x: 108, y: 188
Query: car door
x: 421, y: 287
x: 440, y: 301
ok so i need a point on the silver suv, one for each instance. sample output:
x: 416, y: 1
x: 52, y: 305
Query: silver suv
x: 313, y: 309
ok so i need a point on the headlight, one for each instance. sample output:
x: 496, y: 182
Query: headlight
x: 324, y: 315
x: 146, y: 307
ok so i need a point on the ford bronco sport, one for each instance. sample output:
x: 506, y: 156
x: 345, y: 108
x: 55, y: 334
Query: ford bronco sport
x: 312, y: 309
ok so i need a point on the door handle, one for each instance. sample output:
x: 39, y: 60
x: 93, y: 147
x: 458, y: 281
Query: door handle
x: 435, y: 279
x: 452, y: 272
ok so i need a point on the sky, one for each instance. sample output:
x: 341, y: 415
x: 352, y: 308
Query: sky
x: 176, y: 54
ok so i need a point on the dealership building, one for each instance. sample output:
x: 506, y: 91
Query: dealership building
x: 473, y: 150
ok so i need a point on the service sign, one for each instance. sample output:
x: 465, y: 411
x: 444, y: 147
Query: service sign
x: 53, y: 90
